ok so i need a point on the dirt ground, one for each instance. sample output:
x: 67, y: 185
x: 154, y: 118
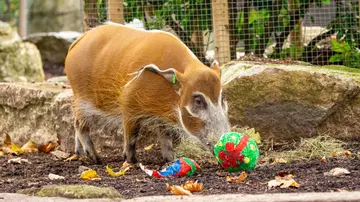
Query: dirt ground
x: 135, y: 183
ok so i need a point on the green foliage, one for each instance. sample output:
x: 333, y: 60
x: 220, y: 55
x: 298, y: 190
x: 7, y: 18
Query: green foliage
x: 186, y: 12
x: 9, y: 12
x: 346, y: 53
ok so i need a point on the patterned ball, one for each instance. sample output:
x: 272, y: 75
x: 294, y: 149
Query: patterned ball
x: 236, y: 152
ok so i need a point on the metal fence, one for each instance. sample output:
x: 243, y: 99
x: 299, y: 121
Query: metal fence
x: 320, y: 32
x: 316, y: 31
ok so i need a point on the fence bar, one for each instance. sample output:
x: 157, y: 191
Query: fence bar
x: 220, y: 18
x: 116, y: 11
x: 22, y: 18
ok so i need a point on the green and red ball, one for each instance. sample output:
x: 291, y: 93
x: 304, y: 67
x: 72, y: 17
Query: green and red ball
x: 236, y: 152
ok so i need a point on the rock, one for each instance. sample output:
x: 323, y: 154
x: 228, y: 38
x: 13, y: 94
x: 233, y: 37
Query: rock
x: 43, y: 112
x: 62, y: 80
x: 53, y: 47
x: 74, y: 191
x: 286, y: 102
x: 337, y: 172
x: 281, y: 102
x: 19, y: 61
x: 54, y: 16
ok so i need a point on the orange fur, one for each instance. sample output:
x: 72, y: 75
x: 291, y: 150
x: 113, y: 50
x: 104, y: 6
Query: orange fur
x: 99, y: 63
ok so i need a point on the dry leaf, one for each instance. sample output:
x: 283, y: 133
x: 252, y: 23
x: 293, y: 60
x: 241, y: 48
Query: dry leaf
x: 193, y: 186
x: 120, y: 173
x: 18, y: 160
x: 13, y: 149
x: 241, y: 178
x: 347, y: 153
x: 284, y: 182
x: 149, y: 147
x: 7, y: 140
x: 125, y: 165
x: 55, y: 177
x: 29, y: 147
x: 60, y: 154
x: 279, y: 161
x: 177, y: 190
x: 2, y: 153
x: 90, y: 175
x: 49, y: 147
x: 73, y: 158
x: 337, y: 172
x: 323, y: 159
x: 333, y: 154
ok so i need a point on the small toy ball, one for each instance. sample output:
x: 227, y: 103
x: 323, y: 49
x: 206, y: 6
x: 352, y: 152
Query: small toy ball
x: 181, y: 167
x: 235, y: 152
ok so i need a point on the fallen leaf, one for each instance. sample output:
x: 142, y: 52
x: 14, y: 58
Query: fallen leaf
x: 49, y: 147
x: 323, y: 159
x: 149, y: 147
x: 280, y: 161
x: 83, y: 168
x: 337, y: 172
x: 283, y: 182
x: 90, y: 175
x: 120, y: 173
x: 347, y: 153
x: 342, y: 190
x: 193, y: 186
x: 7, y: 140
x: 18, y: 160
x: 137, y: 180
x: 29, y: 147
x: 2, y: 153
x: 177, y: 190
x: 125, y: 165
x: 12, y: 149
x: 60, y: 154
x: 55, y: 177
x: 73, y: 158
x: 333, y: 154
x: 241, y: 178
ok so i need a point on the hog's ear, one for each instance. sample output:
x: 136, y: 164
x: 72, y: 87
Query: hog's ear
x: 171, y: 75
x: 216, y: 67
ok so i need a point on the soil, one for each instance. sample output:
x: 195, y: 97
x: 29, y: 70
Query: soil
x: 135, y: 183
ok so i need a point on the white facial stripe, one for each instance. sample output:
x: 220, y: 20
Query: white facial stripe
x: 189, y: 111
x: 181, y: 121
x: 220, y: 97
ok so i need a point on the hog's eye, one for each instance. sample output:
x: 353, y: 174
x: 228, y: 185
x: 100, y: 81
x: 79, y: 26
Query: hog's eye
x: 199, y: 101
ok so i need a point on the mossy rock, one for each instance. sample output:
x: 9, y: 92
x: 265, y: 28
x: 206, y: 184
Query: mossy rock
x: 287, y: 102
x: 19, y: 61
x: 73, y: 191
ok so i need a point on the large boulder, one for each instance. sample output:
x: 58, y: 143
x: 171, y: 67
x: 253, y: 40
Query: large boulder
x: 43, y: 112
x: 19, y: 61
x: 286, y: 102
x: 53, y: 47
x: 54, y: 16
x: 282, y: 102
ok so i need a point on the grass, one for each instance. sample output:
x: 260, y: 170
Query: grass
x: 192, y: 148
x: 309, y: 148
